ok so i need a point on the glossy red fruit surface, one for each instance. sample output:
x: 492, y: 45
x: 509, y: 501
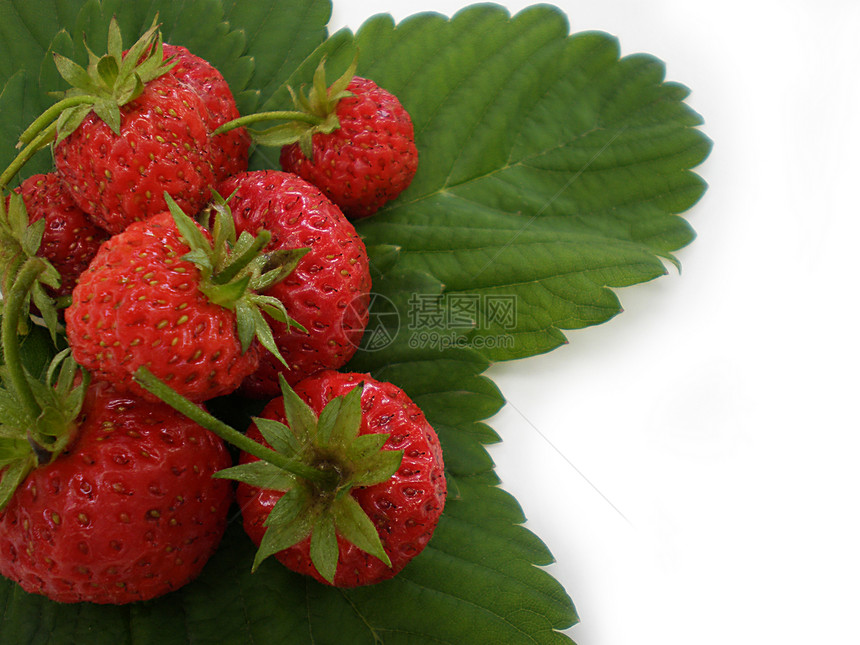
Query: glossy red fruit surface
x: 139, y: 304
x: 328, y: 293
x: 229, y: 150
x: 404, y: 509
x: 129, y: 513
x: 366, y: 162
x: 163, y: 145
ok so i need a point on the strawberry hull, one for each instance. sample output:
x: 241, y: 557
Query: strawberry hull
x: 404, y: 509
x: 130, y: 513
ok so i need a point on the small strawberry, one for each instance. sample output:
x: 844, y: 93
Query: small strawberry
x: 229, y: 150
x: 327, y: 293
x: 70, y: 240
x: 384, y: 492
x: 354, y: 141
x: 165, y: 294
x: 127, y: 132
x: 103, y: 498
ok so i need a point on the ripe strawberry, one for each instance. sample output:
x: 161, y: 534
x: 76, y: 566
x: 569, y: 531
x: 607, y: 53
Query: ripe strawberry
x: 121, y: 150
x: 327, y: 293
x: 128, y: 512
x: 164, y: 295
x: 229, y: 150
x: 103, y: 497
x: 369, y: 159
x: 70, y: 239
x: 373, y: 441
x: 354, y: 141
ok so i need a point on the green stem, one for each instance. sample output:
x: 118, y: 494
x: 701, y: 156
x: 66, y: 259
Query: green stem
x: 15, y: 301
x: 268, y: 116
x: 24, y: 156
x: 202, y: 418
x: 49, y: 116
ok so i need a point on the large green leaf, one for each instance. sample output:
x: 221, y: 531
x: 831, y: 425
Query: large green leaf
x: 550, y: 169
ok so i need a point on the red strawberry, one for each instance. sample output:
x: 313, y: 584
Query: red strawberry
x: 399, y: 490
x: 328, y: 293
x: 130, y: 132
x: 129, y: 512
x: 144, y: 302
x: 369, y: 159
x: 70, y: 240
x: 229, y: 150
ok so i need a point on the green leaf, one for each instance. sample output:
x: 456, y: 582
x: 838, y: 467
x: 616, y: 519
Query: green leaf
x: 551, y: 169
x: 383, y: 258
x: 280, y: 37
x: 20, y: 103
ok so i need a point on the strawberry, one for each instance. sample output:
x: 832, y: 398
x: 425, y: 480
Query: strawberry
x: 327, y: 293
x: 127, y: 132
x: 128, y: 512
x: 165, y: 295
x: 384, y: 489
x: 229, y: 154
x: 369, y: 159
x: 353, y: 140
x: 70, y: 239
x: 103, y: 497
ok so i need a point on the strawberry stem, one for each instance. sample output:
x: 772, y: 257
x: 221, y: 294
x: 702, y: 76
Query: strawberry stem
x: 202, y: 418
x: 288, y: 115
x: 14, y: 304
x: 45, y: 120
x: 39, y: 142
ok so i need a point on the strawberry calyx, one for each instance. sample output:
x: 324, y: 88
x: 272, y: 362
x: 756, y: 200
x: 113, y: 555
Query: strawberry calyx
x: 235, y: 270
x: 316, y: 461
x: 315, y: 113
x: 107, y: 83
x: 39, y: 416
x: 19, y: 244
x: 330, y: 442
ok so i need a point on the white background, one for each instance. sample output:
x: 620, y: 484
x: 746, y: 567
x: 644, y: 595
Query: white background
x: 692, y: 464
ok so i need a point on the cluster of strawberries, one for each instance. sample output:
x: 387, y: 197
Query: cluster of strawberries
x: 183, y: 277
